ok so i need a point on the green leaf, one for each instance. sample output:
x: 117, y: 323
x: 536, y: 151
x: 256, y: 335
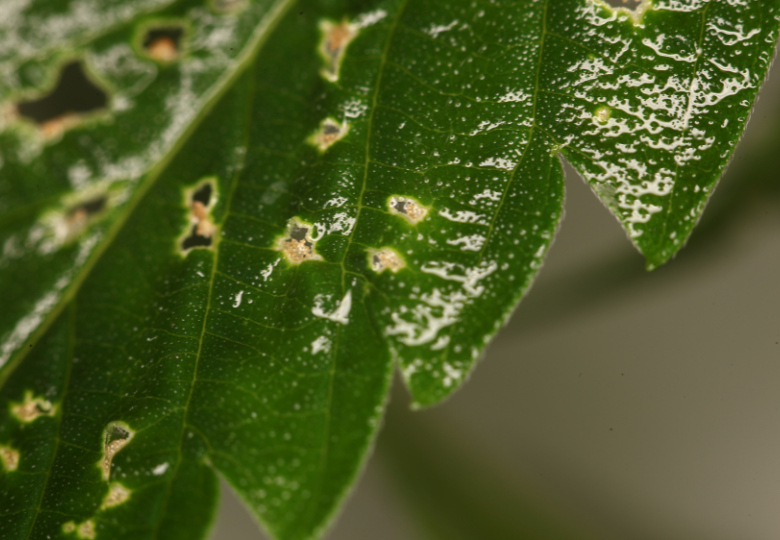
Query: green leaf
x: 295, y: 204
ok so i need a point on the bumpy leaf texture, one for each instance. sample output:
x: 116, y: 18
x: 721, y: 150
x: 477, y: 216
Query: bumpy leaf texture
x: 224, y: 223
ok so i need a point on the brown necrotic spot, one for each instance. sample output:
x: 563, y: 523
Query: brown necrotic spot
x: 115, y: 437
x: 201, y: 230
x: 335, y: 38
x: 9, y: 458
x: 408, y: 208
x: 385, y: 259
x: 32, y: 408
x: 74, y: 96
x: 163, y: 43
x: 297, y: 244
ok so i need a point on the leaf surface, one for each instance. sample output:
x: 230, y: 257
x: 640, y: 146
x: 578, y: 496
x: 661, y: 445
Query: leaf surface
x: 377, y: 187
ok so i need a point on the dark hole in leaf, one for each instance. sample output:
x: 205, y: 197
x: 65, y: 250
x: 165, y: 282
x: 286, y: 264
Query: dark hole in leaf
x: 90, y: 207
x: 195, y: 240
x: 202, y: 230
x: 203, y: 195
x: 74, y: 93
x: 630, y: 4
x: 376, y: 260
x: 330, y: 129
x: 299, y: 233
x: 401, y: 206
x: 116, y: 433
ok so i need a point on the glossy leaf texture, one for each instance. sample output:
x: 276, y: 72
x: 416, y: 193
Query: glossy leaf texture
x: 377, y: 188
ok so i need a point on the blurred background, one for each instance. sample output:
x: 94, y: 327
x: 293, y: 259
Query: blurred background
x: 617, y: 403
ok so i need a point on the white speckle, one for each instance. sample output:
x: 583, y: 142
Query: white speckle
x: 238, y: 299
x: 160, y: 469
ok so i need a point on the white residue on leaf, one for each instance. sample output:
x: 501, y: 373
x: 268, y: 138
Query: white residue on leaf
x: 421, y: 323
x: 469, y: 277
x: 437, y: 29
x: 494, y: 196
x: 463, y: 216
x: 339, y: 223
x: 237, y: 301
x: 340, y: 314
x: 335, y: 201
x: 472, y: 242
x: 269, y: 270
x: 452, y: 375
x: 499, y: 163
x: 321, y: 344
x: 354, y: 108
x: 515, y: 96
x: 160, y: 469
x: 436, y: 310
x: 369, y: 19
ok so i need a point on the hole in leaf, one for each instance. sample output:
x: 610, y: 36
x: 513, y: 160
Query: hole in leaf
x: 298, y: 245
x: 163, y: 43
x: 74, y: 95
x: 329, y: 133
x: 386, y: 259
x: 116, y: 436
x: 201, y: 233
x: 202, y: 195
x: 407, y: 207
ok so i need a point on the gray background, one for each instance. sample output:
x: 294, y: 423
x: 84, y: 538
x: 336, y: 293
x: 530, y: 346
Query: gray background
x: 616, y: 403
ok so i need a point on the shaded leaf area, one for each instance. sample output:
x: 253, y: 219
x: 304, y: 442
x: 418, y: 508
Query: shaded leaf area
x: 383, y: 183
x: 88, y: 106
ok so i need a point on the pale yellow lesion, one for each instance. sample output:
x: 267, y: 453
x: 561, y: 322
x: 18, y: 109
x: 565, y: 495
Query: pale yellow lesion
x: 329, y: 133
x: 408, y: 208
x: 116, y: 436
x: 602, y: 114
x: 86, y: 530
x: 385, y: 259
x: 9, y: 458
x: 117, y: 494
x: 32, y: 408
x: 297, y: 244
x: 335, y: 39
